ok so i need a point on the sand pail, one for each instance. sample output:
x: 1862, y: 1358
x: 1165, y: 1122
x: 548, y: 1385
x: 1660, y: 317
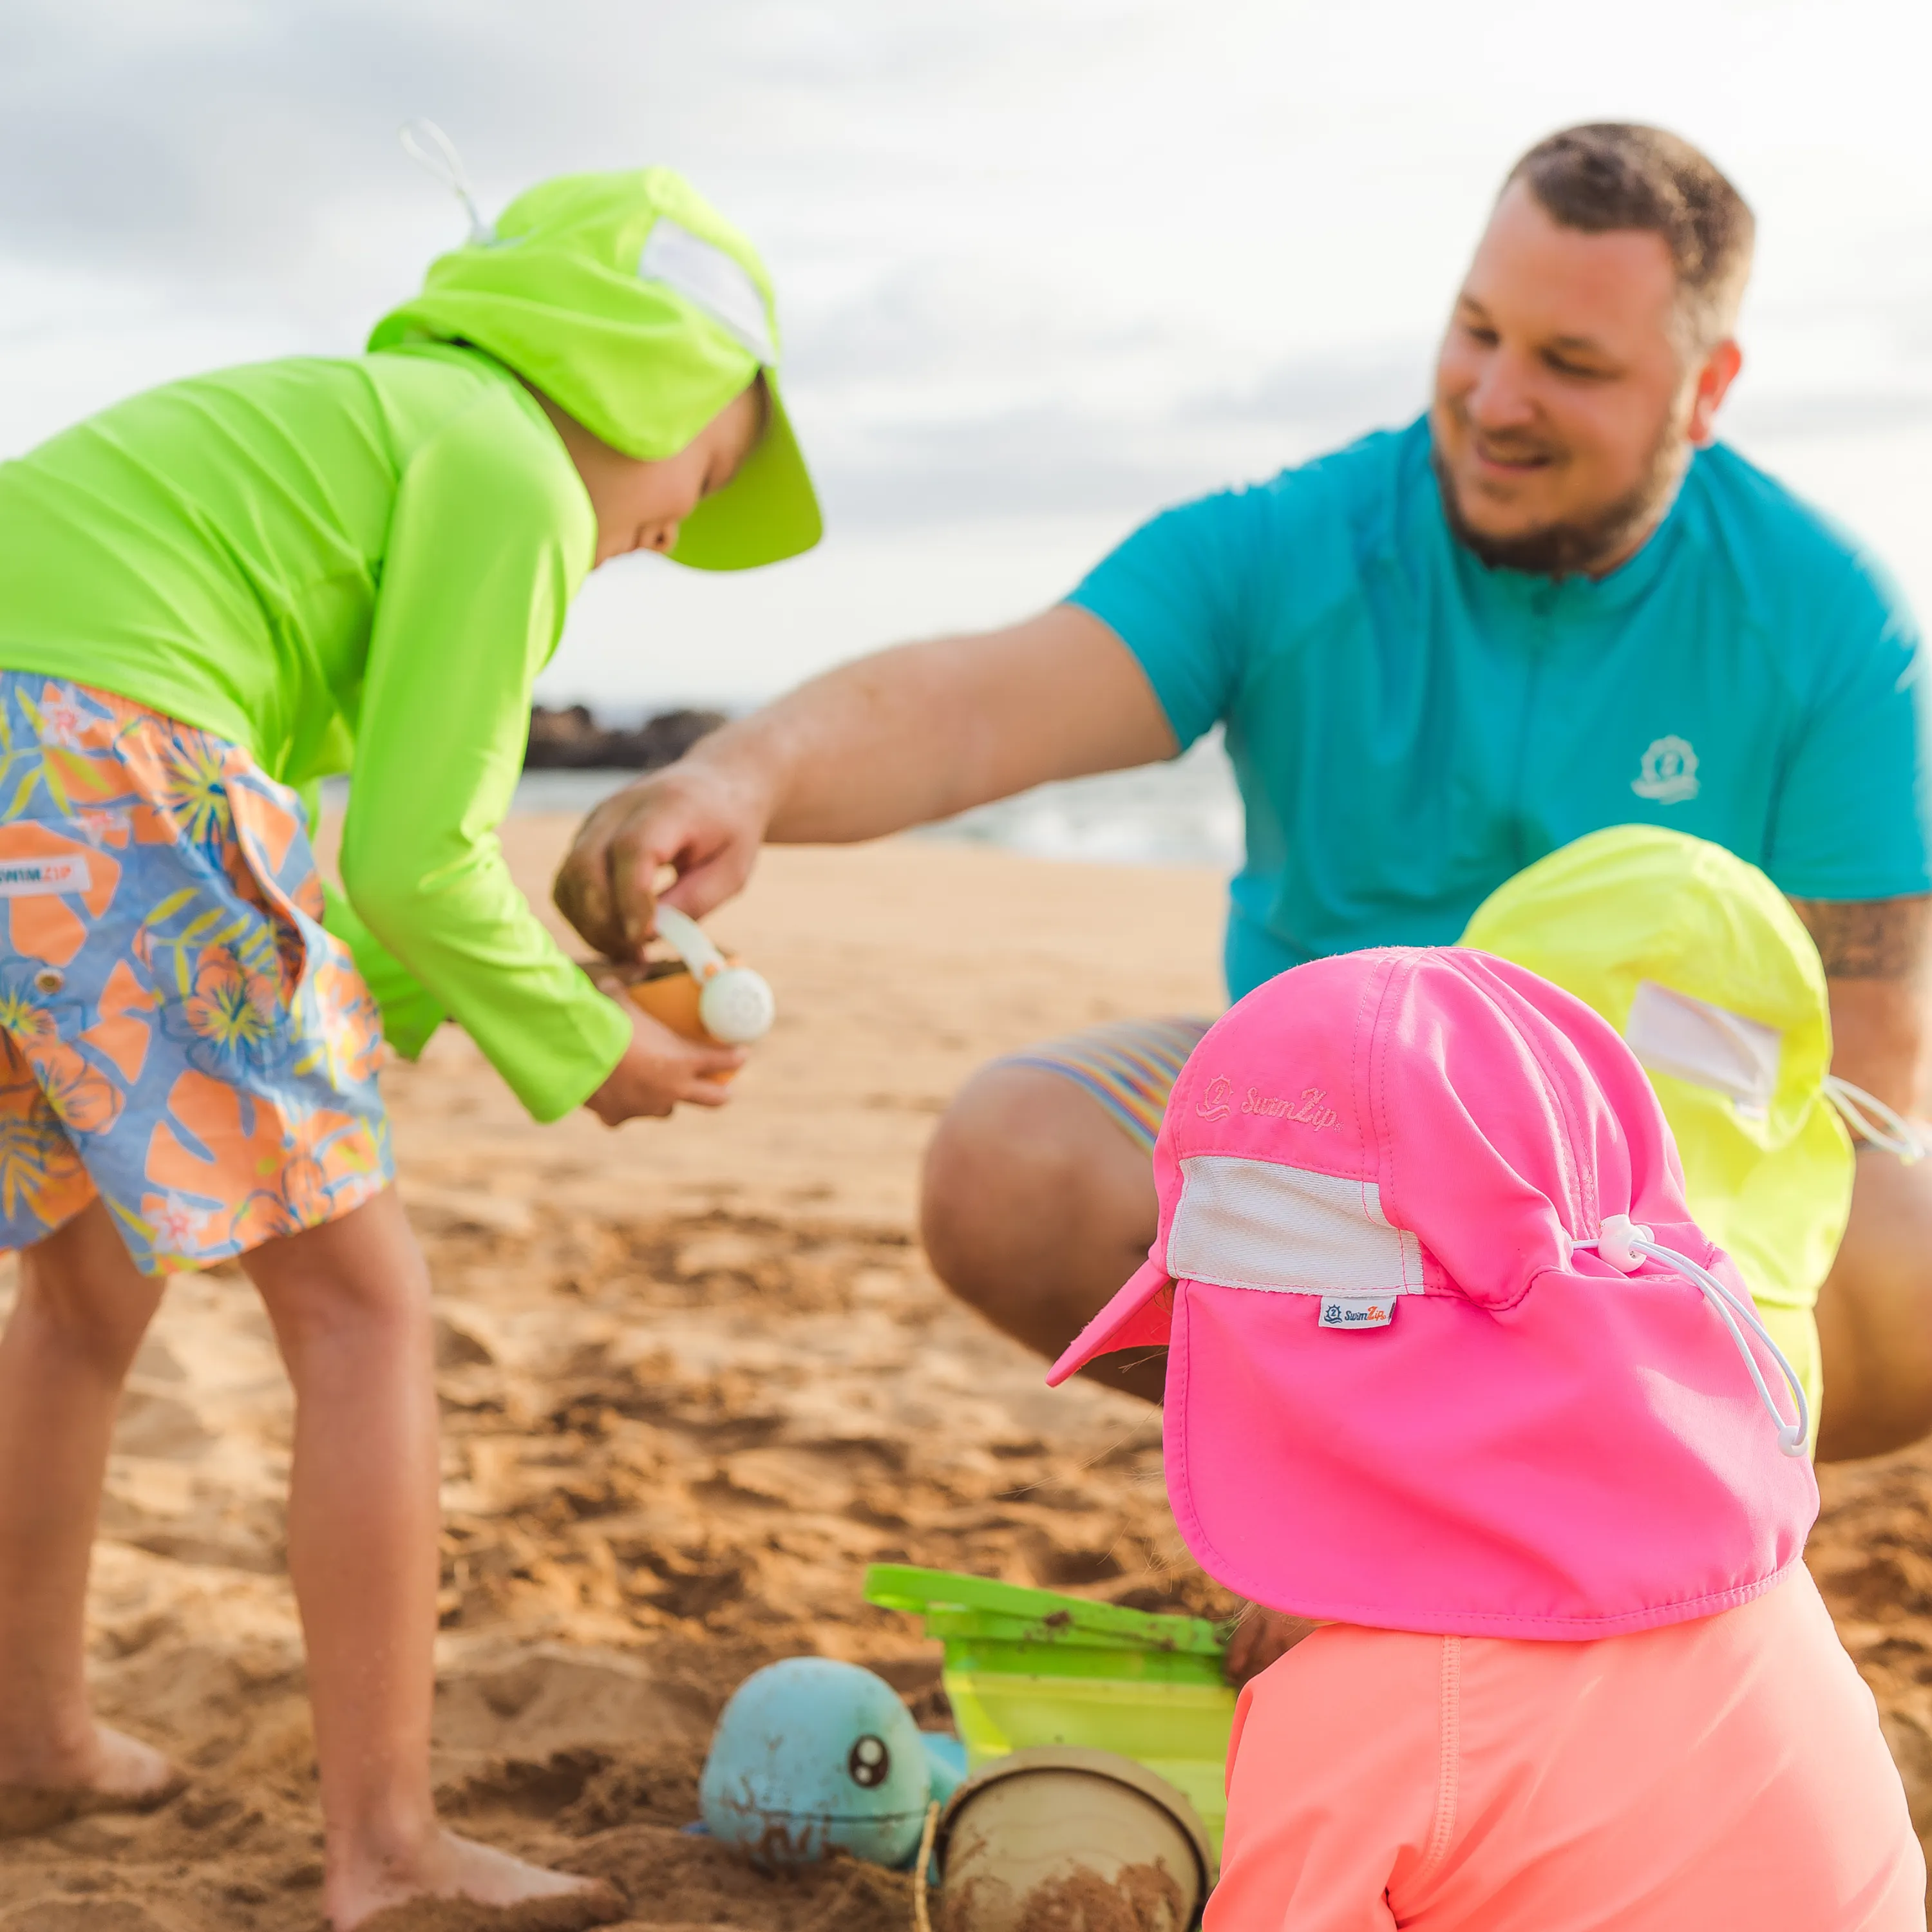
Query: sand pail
x: 1026, y: 1667
x: 1061, y: 1836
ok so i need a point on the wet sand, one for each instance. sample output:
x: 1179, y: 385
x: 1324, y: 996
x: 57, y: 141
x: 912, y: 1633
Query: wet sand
x: 695, y: 1377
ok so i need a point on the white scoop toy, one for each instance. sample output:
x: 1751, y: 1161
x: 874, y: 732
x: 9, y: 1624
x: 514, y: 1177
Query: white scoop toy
x: 734, y: 1003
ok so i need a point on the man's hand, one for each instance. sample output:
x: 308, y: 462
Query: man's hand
x: 700, y: 818
x: 659, y: 1069
x: 895, y: 740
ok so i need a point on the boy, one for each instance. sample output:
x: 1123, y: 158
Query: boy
x: 210, y: 596
x: 1454, y: 1374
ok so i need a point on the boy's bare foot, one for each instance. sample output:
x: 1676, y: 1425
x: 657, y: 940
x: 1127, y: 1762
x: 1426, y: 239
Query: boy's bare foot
x: 456, y: 1883
x: 112, y: 1772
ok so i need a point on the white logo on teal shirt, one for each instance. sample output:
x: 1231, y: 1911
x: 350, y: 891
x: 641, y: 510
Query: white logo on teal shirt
x: 1668, y: 775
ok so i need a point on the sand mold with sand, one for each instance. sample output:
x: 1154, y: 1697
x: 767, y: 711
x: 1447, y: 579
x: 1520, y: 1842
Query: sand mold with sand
x: 695, y: 1378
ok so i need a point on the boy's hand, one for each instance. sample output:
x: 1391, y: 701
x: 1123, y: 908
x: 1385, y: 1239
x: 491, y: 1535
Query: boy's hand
x: 660, y: 1069
x: 696, y: 817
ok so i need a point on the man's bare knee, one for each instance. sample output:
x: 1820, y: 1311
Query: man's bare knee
x: 1036, y: 1207
x: 1001, y: 1156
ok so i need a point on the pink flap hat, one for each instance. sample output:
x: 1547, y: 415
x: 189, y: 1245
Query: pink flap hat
x: 1447, y: 1352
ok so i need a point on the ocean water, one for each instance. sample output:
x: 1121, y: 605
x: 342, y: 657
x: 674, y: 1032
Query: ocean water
x: 1186, y: 812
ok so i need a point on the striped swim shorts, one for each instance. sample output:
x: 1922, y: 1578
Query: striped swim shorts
x: 178, y: 1035
x: 1130, y: 1066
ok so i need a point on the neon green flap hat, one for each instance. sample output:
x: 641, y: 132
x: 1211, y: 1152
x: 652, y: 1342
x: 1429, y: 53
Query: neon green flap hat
x: 632, y: 303
x: 1698, y: 961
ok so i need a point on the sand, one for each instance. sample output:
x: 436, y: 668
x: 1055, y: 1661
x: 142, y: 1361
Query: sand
x: 695, y: 1376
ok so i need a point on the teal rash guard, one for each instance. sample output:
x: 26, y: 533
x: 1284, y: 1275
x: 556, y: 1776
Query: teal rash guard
x: 353, y: 565
x: 1410, y: 728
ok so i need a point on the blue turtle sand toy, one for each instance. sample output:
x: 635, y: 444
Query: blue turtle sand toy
x: 812, y: 1756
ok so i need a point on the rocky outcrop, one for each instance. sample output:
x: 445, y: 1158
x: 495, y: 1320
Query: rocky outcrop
x: 572, y: 739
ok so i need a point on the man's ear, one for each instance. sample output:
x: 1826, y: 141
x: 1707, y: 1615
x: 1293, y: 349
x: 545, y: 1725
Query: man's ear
x: 1714, y: 380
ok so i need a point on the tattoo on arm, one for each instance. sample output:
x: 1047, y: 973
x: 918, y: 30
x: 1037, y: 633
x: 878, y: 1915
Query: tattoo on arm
x: 1871, y: 939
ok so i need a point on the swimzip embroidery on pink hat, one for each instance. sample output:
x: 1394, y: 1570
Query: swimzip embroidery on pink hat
x: 1447, y: 1352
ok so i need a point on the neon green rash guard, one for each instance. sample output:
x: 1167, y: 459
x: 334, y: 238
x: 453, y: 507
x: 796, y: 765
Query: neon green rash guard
x: 352, y: 565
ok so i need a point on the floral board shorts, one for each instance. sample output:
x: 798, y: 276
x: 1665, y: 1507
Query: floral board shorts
x: 178, y: 1035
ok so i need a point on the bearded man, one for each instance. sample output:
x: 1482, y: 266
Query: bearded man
x: 1552, y: 604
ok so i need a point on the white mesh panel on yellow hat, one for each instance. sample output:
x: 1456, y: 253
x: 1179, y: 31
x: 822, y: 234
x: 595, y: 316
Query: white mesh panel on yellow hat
x: 1698, y: 961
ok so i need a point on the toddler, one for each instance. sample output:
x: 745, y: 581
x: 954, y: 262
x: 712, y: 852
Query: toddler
x: 1454, y: 1373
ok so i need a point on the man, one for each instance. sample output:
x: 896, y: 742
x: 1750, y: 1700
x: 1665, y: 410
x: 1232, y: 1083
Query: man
x: 1552, y: 604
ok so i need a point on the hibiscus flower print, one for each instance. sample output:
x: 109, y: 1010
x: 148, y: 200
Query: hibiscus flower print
x: 176, y: 1224
x: 84, y: 1100
x: 234, y: 1009
x: 26, y: 1021
x: 194, y: 789
x: 346, y: 1019
x: 35, y: 1159
x: 62, y: 722
x: 104, y: 827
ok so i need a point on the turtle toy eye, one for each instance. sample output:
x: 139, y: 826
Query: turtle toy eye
x: 869, y: 1761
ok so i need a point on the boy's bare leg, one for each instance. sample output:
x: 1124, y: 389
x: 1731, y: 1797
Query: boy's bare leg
x: 349, y: 1302
x: 81, y: 1311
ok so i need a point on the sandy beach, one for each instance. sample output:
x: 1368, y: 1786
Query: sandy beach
x: 695, y: 1377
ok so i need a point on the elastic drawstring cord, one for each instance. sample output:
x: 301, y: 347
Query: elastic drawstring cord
x: 1621, y: 1240
x: 1891, y: 1130
x: 430, y: 148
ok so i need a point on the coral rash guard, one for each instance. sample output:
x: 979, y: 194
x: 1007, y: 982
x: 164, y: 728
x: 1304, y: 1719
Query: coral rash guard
x: 353, y: 565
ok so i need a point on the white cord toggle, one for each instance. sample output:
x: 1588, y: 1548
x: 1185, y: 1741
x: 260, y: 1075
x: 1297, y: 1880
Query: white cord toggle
x: 1624, y: 1242
x: 735, y: 1003
x: 430, y: 148
x: 1871, y: 1119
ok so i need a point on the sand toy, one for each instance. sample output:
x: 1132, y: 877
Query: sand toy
x: 1060, y: 1835
x: 698, y: 992
x: 812, y: 1756
x: 719, y: 999
x: 1025, y: 1668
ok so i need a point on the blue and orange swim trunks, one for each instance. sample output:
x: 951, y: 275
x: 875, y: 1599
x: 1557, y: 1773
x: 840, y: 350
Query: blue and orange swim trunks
x: 178, y: 1035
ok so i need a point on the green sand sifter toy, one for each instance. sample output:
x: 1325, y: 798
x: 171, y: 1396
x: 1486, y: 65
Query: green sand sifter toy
x: 1033, y: 1667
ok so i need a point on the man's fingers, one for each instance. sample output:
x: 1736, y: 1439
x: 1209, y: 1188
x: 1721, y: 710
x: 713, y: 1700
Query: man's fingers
x: 709, y: 882
x: 632, y: 874
x: 581, y: 891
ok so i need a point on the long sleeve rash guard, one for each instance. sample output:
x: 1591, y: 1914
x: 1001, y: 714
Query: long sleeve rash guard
x: 352, y: 565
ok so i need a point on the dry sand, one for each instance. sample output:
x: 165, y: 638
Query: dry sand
x: 695, y: 1378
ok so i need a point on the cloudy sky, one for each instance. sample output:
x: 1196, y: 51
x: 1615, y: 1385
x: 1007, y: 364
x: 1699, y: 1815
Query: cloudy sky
x: 1043, y: 264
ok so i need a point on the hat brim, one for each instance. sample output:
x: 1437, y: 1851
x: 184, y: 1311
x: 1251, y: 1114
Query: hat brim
x: 1141, y: 1315
x: 767, y: 512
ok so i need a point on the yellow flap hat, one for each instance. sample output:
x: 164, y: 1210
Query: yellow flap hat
x: 1698, y: 961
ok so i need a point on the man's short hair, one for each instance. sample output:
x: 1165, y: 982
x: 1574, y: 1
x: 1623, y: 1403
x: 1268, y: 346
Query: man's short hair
x: 1617, y: 174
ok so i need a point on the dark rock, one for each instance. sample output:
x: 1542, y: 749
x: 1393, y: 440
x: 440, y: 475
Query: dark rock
x: 572, y: 739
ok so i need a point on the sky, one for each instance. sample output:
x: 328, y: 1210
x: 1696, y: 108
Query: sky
x: 1043, y: 265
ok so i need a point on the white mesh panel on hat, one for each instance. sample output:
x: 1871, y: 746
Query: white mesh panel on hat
x: 1671, y: 1033
x: 1253, y: 1224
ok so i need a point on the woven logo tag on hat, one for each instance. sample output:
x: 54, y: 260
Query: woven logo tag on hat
x: 1357, y: 1311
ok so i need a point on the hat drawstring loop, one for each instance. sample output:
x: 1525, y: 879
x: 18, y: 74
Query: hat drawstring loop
x: 1622, y: 1241
x: 432, y: 150
x: 1871, y: 1119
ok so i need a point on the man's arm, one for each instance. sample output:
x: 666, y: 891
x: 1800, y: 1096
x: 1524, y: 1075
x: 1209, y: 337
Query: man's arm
x: 1875, y: 1309
x: 892, y: 740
